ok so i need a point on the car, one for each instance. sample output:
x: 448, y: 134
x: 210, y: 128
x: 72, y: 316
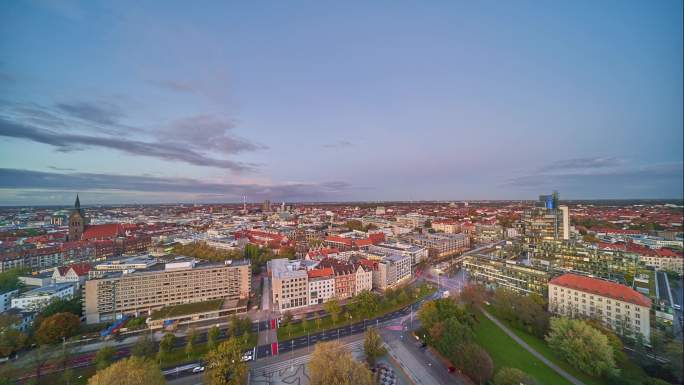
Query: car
x: 451, y: 369
x: 247, y: 357
x: 198, y: 369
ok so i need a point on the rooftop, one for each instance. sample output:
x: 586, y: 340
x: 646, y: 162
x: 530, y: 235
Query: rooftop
x: 602, y: 287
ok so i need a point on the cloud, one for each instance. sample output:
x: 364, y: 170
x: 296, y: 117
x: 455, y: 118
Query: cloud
x: 100, y: 113
x: 583, y: 163
x: 66, y: 142
x: 207, y: 132
x: 338, y: 144
x: 61, y: 168
x: 174, y: 85
x: 661, y: 180
x: 16, y: 179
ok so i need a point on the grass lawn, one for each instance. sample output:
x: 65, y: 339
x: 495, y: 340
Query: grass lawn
x: 628, y: 370
x: 505, y: 352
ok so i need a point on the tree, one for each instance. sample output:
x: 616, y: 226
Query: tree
x: 190, y: 341
x: 333, y: 308
x: 473, y: 295
x: 354, y: 224
x: 165, y: 345
x: 512, y: 376
x: 9, y: 280
x: 675, y: 353
x: 129, y: 371
x: 372, y: 346
x: 306, y: 324
x: 224, y: 363
x: 144, y: 347
x: 366, y: 304
x: 11, y: 339
x: 318, y: 323
x: 212, y: 337
x: 476, y: 363
x: 57, y: 327
x: 104, y: 357
x: 37, y: 359
x: 331, y: 363
x: 287, y: 318
x: 581, y: 346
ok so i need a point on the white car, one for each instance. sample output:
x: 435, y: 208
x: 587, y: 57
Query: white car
x: 198, y: 369
x: 247, y: 357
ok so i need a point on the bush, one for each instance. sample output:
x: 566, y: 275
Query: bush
x: 582, y: 346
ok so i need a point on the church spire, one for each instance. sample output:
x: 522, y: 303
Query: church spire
x: 77, y: 205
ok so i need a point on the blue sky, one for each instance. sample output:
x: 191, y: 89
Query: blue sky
x: 167, y: 101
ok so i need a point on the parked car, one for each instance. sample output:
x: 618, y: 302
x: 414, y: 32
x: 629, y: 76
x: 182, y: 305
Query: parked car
x: 198, y: 369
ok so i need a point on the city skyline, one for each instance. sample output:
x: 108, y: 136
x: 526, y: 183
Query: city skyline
x: 163, y: 103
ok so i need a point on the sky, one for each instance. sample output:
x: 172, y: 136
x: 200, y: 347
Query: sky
x: 176, y: 101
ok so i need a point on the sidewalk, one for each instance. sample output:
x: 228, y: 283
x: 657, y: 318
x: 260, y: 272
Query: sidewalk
x: 527, y: 347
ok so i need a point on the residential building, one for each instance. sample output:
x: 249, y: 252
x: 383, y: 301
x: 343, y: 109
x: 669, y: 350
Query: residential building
x: 6, y: 299
x: 321, y: 285
x: 447, y: 226
x: 620, y: 307
x: 508, y: 274
x: 440, y: 245
x: 345, y: 277
x: 289, y: 285
x: 40, y: 297
x: 364, y: 279
x: 389, y: 271
x: 181, y: 281
x: 417, y: 253
x: 76, y: 274
x: 664, y: 259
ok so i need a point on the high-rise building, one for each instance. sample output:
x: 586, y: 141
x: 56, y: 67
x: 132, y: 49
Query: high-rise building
x: 544, y: 221
x: 566, y: 222
x: 266, y: 207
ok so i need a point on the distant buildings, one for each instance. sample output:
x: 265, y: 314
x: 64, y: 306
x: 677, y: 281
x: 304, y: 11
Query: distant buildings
x: 178, y: 282
x: 508, y: 274
x: 440, y: 245
x: 6, y: 299
x: 416, y: 253
x: 547, y: 220
x: 447, y: 226
x: 621, y: 308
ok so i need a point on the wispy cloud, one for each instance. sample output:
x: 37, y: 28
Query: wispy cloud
x: 100, y: 113
x: 583, y: 163
x: 17, y: 179
x: 66, y: 142
x: 338, y: 144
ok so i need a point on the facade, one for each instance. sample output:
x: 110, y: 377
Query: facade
x: 6, y: 299
x: 412, y: 220
x: 289, y: 286
x: 321, y: 285
x: 445, y: 226
x: 440, y: 245
x: 77, y: 222
x: 621, y: 308
x: 487, y: 233
x: 547, y: 220
x: 75, y: 274
x: 508, y: 274
x: 40, y: 297
x: 664, y: 260
x: 180, y: 282
x: 392, y: 271
x: 345, y: 277
x: 364, y: 279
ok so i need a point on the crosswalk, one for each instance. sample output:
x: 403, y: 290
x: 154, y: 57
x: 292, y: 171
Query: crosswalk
x: 287, y: 363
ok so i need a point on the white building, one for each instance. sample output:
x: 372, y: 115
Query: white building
x: 364, y: 279
x: 391, y: 271
x: 417, y: 253
x: 290, y: 288
x: 38, y: 298
x: 321, y: 285
x: 621, y: 308
x: 6, y: 299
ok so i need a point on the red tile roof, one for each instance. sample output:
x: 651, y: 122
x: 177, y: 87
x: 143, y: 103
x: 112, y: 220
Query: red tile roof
x: 602, y: 287
x: 111, y: 230
x: 80, y: 269
x: 324, y: 272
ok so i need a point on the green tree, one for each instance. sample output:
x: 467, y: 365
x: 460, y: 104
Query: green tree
x: 286, y: 319
x: 366, y: 304
x: 190, y: 341
x: 165, y: 345
x: 373, y: 347
x: 225, y: 366
x: 582, y: 346
x: 129, y: 371
x: 212, y: 337
x: 476, y: 363
x: 318, y: 322
x: 512, y: 376
x: 11, y: 339
x: 104, y: 357
x: 57, y: 327
x: 144, y: 347
x: 9, y: 280
x: 675, y: 354
x: 354, y: 224
x: 331, y: 363
x: 306, y: 324
x: 333, y: 308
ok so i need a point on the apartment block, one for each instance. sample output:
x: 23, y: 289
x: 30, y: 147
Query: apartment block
x: 508, y: 274
x: 321, y: 285
x: 289, y: 285
x: 417, y: 253
x: 181, y: 281
x: 617, y: 306
x: 440, y: 245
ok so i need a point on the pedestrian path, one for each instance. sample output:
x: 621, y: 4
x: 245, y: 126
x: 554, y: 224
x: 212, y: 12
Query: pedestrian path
x: 527, y: 347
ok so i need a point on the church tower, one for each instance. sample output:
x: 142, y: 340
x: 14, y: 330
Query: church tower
x: 77, y: 222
